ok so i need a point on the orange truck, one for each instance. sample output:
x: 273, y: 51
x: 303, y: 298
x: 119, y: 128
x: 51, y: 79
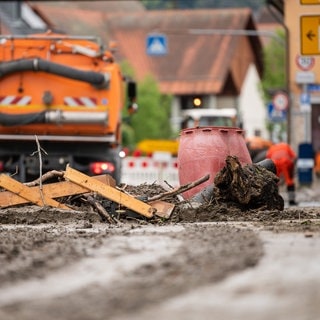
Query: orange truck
x: 61, y: 95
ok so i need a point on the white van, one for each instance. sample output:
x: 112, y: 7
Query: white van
x: 226, y: 117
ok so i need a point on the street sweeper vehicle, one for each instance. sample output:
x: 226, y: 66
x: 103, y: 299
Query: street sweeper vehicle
x: 61, y: 98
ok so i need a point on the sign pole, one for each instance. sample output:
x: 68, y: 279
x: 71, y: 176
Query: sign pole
x: 305, y: 105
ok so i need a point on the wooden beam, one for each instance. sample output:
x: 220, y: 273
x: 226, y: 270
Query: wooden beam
x: 32, y: 195
x: 109, y: 192
x: 51, y: 190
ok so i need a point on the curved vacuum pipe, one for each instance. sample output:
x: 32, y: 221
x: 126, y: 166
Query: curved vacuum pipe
x: 9, y: 120
x: 53, y: 116
x: 96, y: 79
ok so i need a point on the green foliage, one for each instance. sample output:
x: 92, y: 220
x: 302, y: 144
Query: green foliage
x: 152, y: 121
x: 127, y: 69
x: 274, y: 55
x: 128, y: 136
x: 274, y: 78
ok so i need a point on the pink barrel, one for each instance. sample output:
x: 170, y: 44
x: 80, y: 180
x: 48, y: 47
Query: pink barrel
x: 204, y: 150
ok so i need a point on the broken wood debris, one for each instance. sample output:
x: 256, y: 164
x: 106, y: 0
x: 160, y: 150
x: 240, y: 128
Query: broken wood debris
x: 245, y: 187
x: 51, y: 190
x: 180, y: 189
x: 77, y: 183
x: 19, y: 193
x: 109, y: 192
x: 100, y: 209
x: 28, y: 194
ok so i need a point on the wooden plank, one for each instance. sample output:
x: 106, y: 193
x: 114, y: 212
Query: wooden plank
x: 163, y: 208
x: 51, y: 190
x: 109, y: 192
x: 23, y: 191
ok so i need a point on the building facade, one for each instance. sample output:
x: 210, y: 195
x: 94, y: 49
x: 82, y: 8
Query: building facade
x: 302, y: 19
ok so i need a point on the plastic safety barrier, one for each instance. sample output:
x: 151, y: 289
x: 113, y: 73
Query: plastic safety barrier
x: 139, y: 170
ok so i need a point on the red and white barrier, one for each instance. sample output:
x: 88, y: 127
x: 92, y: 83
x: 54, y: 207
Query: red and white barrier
x: 139, y: 170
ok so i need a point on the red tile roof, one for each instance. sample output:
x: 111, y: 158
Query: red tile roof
x: 110, y: 6
x: 195, y: 64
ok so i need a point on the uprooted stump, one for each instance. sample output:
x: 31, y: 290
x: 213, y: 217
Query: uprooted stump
x: 250, y: 186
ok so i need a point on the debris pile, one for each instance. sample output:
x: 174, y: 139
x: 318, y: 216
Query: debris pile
x: 245, y: 188
x: 250, y: 187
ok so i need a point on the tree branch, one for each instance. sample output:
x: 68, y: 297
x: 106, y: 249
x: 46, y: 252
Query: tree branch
x: 179, y: 190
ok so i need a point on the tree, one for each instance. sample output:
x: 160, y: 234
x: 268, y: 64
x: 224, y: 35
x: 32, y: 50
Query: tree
x: 152, y: 119
x: 274, y: 56
x: 274, y: 78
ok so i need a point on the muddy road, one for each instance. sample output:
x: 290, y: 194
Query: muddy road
x: 201, y: 264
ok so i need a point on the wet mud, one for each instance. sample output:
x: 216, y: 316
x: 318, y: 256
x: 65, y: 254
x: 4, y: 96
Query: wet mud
x: 135, y: 263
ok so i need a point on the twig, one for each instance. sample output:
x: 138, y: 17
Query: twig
x: 40, y: 162
x: 168, y: 184
x: 15, y: 173
x: 39, y: 149
x: 179, y: 190
x: 101, y: 211
x: 48, y: 175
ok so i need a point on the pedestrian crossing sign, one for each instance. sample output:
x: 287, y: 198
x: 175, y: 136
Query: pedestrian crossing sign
x: 156, y: 45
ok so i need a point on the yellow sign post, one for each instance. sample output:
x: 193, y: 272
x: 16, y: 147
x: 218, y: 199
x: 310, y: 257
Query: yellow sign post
x: 150, y: 146
x: 310, y: 1
x: 310, y: 35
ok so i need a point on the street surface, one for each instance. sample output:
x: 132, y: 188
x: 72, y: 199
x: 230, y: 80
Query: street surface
x: 260, y: 265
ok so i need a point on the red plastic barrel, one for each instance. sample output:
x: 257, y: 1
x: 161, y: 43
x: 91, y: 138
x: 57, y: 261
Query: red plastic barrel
x: 204, y: 150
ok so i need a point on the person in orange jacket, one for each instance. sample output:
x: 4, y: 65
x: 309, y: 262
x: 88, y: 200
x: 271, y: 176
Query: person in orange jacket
x: 284, y: 159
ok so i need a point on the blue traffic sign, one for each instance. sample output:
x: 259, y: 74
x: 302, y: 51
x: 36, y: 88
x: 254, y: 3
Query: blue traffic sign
x: 156, y: 45
x: 313, y: 87
x: 305, y: 98
x: 276, y: 115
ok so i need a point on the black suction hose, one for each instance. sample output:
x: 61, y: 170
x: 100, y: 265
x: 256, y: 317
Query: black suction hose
x: 94, y: 78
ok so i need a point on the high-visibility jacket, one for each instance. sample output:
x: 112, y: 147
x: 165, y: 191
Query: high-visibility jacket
x: 283, y: 157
